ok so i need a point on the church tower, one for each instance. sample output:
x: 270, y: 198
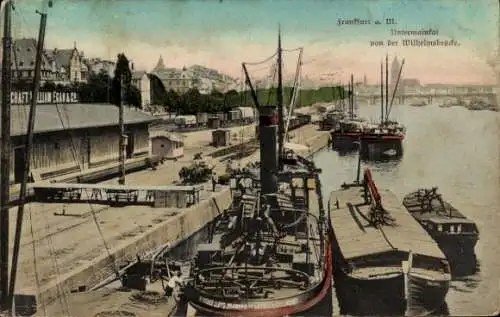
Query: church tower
x: 160, y: 65
x: 394, y: 71
x: 395, y: 66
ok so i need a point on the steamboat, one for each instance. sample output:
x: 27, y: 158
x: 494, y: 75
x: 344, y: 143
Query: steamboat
x: 385, y: 263
x: 455, y: 234
x: 384, y: 140
x: 330, y: 119
x: 269, y: 254
x: 348, y: 129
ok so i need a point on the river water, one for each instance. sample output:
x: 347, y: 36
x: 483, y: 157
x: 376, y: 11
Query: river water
x: 457, y: 150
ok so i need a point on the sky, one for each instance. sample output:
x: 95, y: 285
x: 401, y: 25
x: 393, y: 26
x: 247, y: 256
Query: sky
x: 223, y: 34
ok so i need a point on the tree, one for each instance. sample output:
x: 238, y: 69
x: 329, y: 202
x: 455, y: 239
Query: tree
x: 191, y: 101
x: 171, y: 101
x: 48, y: 86
x: 122, y: 76
x: 97, y: 88
x: 158, y: 91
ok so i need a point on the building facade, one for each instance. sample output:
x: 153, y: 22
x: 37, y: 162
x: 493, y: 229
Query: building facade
x: 58, y: 66
x: 96, y: 65
x: 75, y: 137
x: 142, y: 82
x: 202, y: 78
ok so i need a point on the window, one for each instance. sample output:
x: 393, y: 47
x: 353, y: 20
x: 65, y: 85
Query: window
x: 440, y: 228
x: 163, y: 145
x: 21, y: 64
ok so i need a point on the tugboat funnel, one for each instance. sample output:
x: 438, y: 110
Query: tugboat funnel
x: 268, y: 128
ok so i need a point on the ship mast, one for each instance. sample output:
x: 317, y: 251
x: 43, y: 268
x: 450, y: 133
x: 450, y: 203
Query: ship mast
x: 5, y: 156
x: 381, y: 92
x: 386, y: 85
x: 281, y: 123
x: 29, y: 145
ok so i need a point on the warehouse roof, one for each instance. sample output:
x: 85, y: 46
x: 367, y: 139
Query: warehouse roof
x: 52, y: 117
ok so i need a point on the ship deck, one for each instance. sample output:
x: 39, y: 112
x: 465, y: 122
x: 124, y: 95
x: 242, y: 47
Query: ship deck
x: 414, y: 206
x: 357, y: 238
x: 289, y: 244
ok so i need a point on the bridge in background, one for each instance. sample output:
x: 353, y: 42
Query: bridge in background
x: 429, y: 95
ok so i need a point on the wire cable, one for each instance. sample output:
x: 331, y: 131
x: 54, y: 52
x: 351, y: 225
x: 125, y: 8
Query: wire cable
x: 92, y: 211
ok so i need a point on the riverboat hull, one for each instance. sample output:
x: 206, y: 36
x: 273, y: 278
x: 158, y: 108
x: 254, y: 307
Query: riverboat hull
x: 316, y: 301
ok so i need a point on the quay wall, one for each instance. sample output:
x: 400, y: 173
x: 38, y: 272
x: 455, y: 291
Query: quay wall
x: 178, y: 227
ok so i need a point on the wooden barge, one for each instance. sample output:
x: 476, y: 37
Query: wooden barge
x: 385, y: 263
x: 455, y: 234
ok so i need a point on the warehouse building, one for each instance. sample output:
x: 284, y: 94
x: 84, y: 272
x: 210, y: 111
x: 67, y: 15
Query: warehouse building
x: 71, y: 138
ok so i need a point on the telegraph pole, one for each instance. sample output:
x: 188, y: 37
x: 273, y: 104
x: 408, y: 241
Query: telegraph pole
x: 27, y: 149
x: 121, y: 180
x: 5, y: 157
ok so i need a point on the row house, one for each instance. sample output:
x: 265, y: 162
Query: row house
x: 96, y: 65
x: 141, y: 81
x: 202, y: 78
x: 58, y: 66
x: 175, y: 79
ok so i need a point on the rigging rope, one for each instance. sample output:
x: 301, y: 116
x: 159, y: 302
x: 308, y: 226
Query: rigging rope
x: 35, y: 264
x: 60, y: 289
x: 291, y: 49
x: 295, y: 92
x: 269, y: 86
x: 92, y: 211
x: 263, y: 61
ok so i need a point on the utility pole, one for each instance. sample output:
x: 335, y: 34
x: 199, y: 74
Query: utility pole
x: 5, y: 157
x: 121, y: 180
x: 28, y: 146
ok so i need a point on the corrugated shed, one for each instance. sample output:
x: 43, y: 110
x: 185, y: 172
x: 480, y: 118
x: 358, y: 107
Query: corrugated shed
x: 74, y: 116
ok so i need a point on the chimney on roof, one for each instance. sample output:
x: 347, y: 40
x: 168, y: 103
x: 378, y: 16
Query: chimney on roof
x: 132, y: 66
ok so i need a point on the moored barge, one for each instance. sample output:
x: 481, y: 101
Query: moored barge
x: 385, y: 263
x: 455, y: 234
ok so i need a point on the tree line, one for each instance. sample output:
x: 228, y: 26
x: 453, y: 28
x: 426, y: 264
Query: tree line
x: 193, y: 102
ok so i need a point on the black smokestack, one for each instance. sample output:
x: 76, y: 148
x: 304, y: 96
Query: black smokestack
x: 268, y: 129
